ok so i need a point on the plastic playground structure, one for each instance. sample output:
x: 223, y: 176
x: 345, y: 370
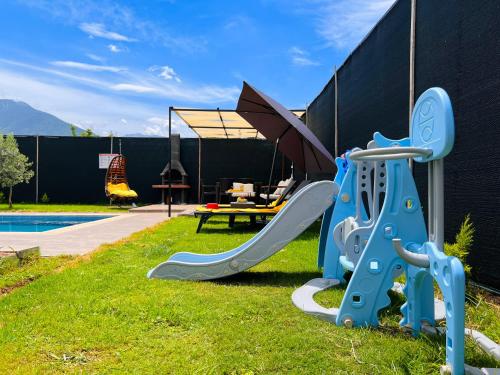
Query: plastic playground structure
x: 374, y: 227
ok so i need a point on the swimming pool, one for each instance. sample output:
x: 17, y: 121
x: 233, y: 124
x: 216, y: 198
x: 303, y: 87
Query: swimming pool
x: 43, y: 223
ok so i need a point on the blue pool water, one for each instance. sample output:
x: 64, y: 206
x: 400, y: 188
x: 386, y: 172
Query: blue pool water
x: 43, y: 223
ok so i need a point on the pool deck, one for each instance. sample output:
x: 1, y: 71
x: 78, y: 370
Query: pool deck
x: 84, y: 238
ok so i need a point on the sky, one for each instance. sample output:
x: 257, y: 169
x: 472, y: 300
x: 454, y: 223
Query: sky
x: 116, y: 66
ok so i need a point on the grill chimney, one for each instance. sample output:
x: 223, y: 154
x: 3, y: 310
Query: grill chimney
x: 178, y: 171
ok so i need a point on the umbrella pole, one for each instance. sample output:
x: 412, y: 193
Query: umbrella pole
x: 272, y: 170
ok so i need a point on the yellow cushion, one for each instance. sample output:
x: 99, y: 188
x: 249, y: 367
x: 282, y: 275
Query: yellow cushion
x: 121, y: 190
x: 120, y: 186
x: 273, y: 203
x: 249, y: 210
x: 126, y: 193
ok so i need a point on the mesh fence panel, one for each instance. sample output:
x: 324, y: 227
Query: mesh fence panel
x: 373, y: 83
x: 69, y: 173
x: 457, y: 44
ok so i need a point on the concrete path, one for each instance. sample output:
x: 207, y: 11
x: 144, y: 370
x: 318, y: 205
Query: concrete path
x: 83, y: 238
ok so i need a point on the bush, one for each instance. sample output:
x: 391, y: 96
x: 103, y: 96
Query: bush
x: 463, y: 243
x: 2, y: 197
x: 45, y: 198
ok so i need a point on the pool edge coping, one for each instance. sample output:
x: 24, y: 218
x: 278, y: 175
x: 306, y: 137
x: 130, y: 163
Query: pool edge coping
x: 69, y: 228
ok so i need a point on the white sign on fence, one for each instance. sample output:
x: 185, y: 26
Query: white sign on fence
x: 105, y: 159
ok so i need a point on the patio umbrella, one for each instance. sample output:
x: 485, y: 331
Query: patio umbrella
x: 288, y: 132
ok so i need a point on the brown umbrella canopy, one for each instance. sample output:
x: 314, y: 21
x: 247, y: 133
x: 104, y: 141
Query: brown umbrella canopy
x: 278, y: 124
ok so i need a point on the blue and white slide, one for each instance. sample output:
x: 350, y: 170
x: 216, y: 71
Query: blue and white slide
x: 303, y: 209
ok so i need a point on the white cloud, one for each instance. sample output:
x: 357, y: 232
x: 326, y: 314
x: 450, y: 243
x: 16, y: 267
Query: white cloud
x: 78, y: 106
x: 95, y: 57
x: 88, y: 67
x: 133, y: 88
x: 303, y: 61
x: 200, y: 94
x: 344, y: 23
x: 169, y: 73
x: 141, y: 83
x: 300, y: 57
x: 99, y: 30
x: 120, y: 17
x: 159, y: 121
x: 166, y: 72
x: 116, y: 49
x: 155, y: 131
x: 296, y: 51
x: 87, y: 109
x: 240, y: 23
x: 55, y: 73
x: 158, y: 126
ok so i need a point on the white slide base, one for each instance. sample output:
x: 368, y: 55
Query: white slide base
x: 303, y: 298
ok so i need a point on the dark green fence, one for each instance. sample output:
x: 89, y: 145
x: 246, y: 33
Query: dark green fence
x: 457, y: 44
x: 68, y: 166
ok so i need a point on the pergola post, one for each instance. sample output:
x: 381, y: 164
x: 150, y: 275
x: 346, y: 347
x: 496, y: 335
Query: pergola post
x: 199, y: 170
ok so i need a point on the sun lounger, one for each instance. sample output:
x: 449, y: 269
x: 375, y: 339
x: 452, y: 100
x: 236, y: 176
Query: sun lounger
x: 282, y: 187
x: 259, y: 211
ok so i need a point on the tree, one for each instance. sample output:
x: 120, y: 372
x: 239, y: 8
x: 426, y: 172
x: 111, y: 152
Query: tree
x: 88, y: 133
x: 73, y: 131
x: 14, y: 166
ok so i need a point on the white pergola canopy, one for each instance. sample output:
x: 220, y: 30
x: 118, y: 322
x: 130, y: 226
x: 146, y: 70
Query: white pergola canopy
x: 220, y: 123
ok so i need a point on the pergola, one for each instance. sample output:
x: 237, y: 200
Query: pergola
x: 220, y: 123
x: 213, y: 124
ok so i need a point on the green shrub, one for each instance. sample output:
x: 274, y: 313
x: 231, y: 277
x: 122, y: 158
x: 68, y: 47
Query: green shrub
x: 2, y: 197
x: 45, y: 198
x: 463, y: 243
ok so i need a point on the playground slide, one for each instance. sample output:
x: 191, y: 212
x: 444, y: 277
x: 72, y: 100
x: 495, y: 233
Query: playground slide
x: 299, y: 213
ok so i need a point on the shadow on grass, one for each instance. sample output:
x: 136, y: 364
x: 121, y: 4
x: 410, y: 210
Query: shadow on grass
x: 237, y: 229
x: 244, y: 227
x: 267, y: 278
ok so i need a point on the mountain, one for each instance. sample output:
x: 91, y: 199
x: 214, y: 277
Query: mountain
x: 22, y: 119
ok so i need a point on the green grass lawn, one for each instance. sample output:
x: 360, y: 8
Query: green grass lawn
x: 14, y: 274
x: 100, y: 314
x: 52, y: 207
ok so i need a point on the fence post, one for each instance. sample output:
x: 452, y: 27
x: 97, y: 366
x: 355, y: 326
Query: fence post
x: 336, y: 115
x: 36, y: 168
x: 411, y: 95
